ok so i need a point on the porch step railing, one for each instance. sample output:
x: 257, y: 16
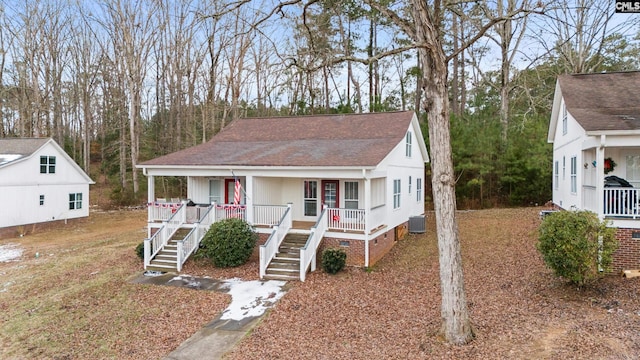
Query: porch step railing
x: 154, y: 245
x: 308, y: 252
x: 191, y: 242
x: 269, y: 249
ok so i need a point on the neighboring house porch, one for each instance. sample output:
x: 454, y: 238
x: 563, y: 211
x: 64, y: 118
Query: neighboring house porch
x: 595, y: 131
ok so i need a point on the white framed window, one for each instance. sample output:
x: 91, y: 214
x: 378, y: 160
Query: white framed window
x: 75, y: 201
x: 351, y: 194
x: 409, y: 184
x: 556, y: 176
x: 409, y: 140
x: 564, y: 168
x: 41, y: 200
x: 396, y: 193
x: 633, y: 169
x: 574, y: 174
x: 215, y: 191
x: 564, y: 118
x: 310, y: 197
x: 47, y: 164
x: 418, y: 189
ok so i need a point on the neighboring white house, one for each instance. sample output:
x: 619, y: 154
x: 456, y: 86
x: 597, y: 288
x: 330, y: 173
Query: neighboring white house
x: 39, y: 183
x: 349, y: 181
x: 595, y: 131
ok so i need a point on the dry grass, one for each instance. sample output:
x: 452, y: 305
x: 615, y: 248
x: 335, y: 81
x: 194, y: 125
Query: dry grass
x: 75, y: 301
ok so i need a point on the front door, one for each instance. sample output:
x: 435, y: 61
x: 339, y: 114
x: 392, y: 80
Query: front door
x: 229, y: 194
x: 330, y: 193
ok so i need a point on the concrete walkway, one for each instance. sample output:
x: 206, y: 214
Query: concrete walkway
x: 226, y: 330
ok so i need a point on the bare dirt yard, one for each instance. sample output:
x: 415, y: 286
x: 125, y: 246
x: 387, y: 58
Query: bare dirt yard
x: 74, y: 301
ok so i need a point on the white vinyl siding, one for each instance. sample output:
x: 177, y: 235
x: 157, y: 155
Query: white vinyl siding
x: 564, y: 119
x: 378, y: 193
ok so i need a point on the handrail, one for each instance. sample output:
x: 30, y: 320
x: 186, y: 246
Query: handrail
x: 153, y: 245
x: 269, y: 249
x: 308, y: 252
x: 191, y: 242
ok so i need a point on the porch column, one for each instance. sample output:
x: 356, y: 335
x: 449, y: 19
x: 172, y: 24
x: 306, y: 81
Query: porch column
x: 248, y: 189
x: 367, y: 214
x: 151, y: 194
x: 600, y: 176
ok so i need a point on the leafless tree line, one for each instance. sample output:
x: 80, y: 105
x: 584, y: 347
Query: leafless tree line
x: 135, y: 79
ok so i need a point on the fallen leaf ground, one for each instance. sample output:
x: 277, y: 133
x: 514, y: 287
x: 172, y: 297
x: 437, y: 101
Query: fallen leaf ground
x: 75, y: 302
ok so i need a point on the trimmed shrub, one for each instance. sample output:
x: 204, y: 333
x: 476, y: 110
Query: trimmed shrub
x: 576, y: 245
x: 228, y: 243
x: 333, y: 260
x: 140, y: 250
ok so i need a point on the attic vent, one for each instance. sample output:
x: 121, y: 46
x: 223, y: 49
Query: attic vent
x: 417, y: 224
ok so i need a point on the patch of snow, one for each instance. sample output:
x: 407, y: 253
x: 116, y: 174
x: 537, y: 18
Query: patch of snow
x: 153, y: 273
x: 251, y: 298
x: 10, y: 252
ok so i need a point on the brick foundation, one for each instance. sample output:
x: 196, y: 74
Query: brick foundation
x: 355, y: 249
x: 627, y: 257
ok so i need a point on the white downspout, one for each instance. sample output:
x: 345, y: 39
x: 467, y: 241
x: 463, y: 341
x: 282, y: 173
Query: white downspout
x: 367, y: 213
x: 150, y: 198
x: 600, y: 176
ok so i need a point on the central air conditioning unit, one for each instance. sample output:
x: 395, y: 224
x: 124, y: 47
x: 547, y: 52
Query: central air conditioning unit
x: 417, y: 224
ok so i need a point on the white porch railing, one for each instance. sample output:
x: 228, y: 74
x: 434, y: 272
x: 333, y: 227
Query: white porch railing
x: 153, y: 245
x: 308, y: 252
x: 227, y: 211
x: 621, y: 202
x: 270, y: 248
x: 268, y: 214
x: 191, y: 242
x: 161, y: 211
x: 346, y: 219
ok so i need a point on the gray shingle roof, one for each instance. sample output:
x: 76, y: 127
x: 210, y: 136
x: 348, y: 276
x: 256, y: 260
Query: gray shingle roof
x: 603, y: 101
x: 12, y: 149
x: 321, y: 140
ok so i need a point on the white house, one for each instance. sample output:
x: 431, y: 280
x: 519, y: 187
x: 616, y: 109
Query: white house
x: 349, y: 181
x: 595, y: 131
x: 39, y: 183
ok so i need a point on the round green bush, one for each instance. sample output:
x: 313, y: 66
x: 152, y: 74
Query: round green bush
x: 228, y: 243
x: 576, y: 245
x: 140, y: 250
x: 333, y: 260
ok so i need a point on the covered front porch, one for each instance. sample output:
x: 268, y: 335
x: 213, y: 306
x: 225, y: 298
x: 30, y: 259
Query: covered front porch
x: 611, y: 179
x: 310, y: 208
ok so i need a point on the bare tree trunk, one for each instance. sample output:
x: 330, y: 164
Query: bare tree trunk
x: 456, y: 323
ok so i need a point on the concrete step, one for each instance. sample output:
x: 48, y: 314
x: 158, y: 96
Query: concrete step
x: 160, y: 267
x: 282, y: 277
